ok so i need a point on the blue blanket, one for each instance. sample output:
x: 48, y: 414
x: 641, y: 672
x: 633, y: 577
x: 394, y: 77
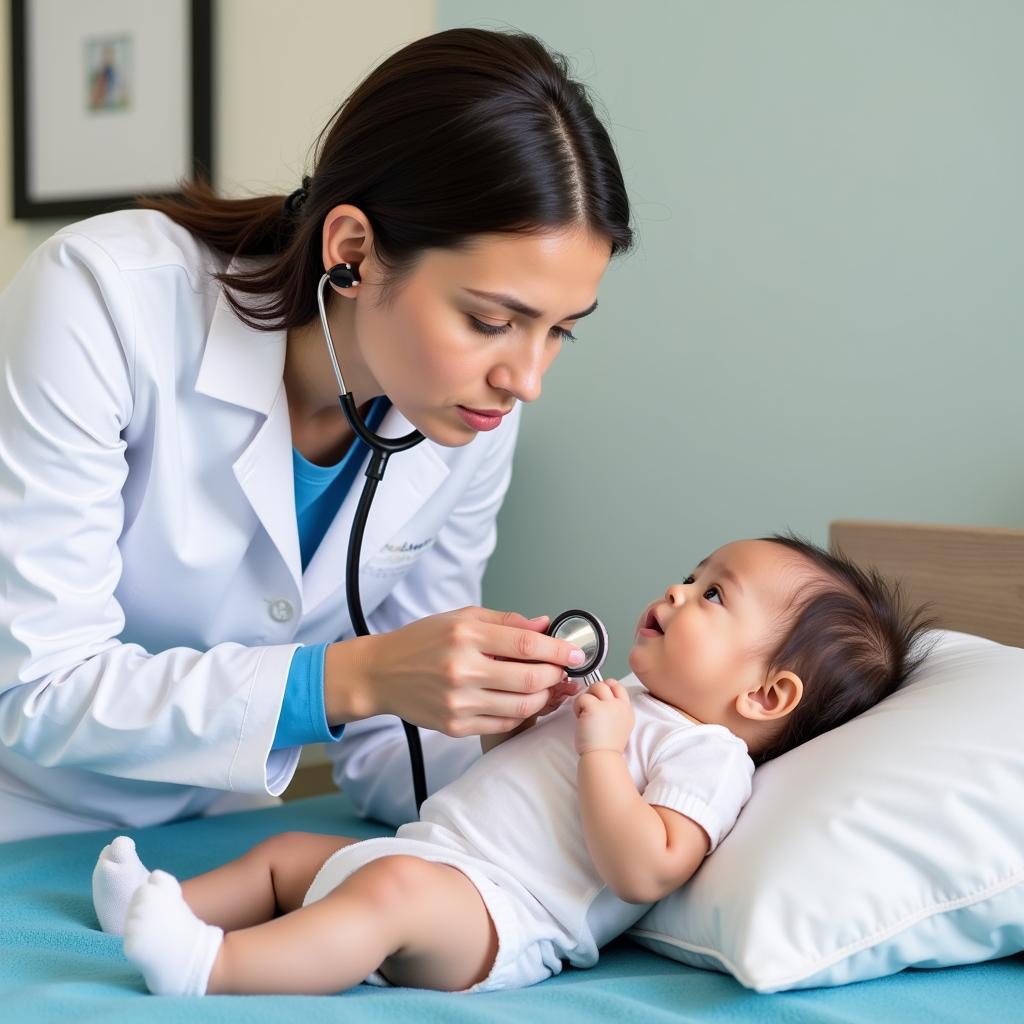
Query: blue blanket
x: 56, y: 965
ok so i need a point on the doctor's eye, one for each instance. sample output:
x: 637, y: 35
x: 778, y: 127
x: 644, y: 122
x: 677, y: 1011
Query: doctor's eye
x: 482, y: 327
x: 485, y: 328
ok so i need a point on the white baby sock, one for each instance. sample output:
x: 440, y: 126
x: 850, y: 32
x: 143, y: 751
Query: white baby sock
x: 118, y: 873
x: 173, y: 949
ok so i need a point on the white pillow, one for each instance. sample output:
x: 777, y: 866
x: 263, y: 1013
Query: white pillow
x: 896, y: 840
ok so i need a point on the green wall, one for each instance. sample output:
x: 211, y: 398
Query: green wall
x: 825, y: 315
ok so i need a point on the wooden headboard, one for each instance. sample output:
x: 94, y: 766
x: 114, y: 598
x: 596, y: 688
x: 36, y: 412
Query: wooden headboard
x: 972, y: 578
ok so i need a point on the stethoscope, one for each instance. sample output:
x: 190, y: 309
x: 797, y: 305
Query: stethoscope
x: 578, y: 627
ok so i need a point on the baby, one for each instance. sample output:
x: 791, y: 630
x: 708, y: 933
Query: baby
x: 560, y: 837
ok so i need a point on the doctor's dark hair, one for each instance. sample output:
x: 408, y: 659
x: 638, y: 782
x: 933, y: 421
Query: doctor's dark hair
x: 461, y: 133
x: 851, y: 638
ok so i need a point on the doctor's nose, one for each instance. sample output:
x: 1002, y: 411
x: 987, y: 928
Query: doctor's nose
x: 522, y: 375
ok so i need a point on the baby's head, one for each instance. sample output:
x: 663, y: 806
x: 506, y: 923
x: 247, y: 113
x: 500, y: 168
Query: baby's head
x: 777, y: 640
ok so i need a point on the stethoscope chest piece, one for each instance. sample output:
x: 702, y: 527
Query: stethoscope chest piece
x: 586, y: 631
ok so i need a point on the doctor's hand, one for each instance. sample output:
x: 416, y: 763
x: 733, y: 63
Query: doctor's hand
x: 468, y: 672
x: 557, y: 696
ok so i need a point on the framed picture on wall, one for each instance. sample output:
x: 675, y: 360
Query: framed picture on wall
x: 112, y: 100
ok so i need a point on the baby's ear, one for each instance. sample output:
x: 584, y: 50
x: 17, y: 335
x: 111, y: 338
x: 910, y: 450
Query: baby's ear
x: 775, y: 698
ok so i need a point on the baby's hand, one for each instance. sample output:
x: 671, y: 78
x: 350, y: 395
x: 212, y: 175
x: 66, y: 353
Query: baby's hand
x: 604, y: 717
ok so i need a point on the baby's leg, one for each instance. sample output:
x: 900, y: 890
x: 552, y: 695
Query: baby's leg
x: 421, y: 924
x: 271, y: 879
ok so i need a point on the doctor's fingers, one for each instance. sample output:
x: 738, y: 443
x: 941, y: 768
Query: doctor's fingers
x: 510, y: 708
x: 512, y: 619
x: 526, y: 646
x: 474, y: 713
x: 523, y: 677
x: 512, y: 636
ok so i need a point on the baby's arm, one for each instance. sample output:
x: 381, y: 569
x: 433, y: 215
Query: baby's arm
x: 643, y: 852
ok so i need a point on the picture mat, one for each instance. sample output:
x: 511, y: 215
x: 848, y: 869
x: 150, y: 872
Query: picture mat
x: 74, y: 152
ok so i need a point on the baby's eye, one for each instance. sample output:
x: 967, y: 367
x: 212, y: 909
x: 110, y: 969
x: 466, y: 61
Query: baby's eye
x: 688, y: 581
x: 715, y: 591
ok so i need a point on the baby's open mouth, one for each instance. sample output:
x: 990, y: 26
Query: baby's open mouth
x: 651, y: 622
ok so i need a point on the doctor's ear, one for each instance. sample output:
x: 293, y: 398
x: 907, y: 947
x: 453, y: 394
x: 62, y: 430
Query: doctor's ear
x: 775, y: 698
x: 347, y: 241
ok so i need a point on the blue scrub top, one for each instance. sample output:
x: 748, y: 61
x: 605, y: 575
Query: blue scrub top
x: 319, y: 492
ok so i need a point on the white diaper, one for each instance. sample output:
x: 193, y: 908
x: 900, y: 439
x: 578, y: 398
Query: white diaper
x: 530, y: 942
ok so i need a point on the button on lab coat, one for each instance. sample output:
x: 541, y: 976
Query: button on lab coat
x: 151, y: 590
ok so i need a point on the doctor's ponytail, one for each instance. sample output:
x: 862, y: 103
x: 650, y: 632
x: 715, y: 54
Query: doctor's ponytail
x: 461, y: 133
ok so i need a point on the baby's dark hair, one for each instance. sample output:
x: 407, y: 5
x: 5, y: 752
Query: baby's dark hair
x: 852, y: 640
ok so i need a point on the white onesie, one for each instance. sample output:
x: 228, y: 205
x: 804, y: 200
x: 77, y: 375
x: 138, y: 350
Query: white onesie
x: 511, y: 823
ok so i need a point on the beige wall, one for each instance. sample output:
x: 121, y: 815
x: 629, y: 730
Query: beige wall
x: 280, y: 70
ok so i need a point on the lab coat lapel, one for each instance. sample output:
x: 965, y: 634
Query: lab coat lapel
x: 266, y: 475
x: 245, y: 367
x: 411, y: 478
x: 241, y: 365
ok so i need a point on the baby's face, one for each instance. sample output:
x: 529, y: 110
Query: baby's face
x: 703, y: 643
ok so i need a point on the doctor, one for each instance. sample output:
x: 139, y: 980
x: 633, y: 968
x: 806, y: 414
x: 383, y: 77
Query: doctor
x: 177, y: 477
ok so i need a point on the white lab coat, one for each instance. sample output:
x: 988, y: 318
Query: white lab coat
x: 151, y: 592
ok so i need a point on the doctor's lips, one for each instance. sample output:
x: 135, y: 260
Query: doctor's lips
x: 482, y: 419
x: 649, y: 625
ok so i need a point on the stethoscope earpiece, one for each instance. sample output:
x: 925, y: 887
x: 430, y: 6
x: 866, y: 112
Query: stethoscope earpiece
x: 343, y: 275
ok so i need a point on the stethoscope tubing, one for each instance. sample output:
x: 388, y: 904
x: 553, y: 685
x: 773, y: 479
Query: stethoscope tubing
x: 355, y: 607
x: 381, y: 448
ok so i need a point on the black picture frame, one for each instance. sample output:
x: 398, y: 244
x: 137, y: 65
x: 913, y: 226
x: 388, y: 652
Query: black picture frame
x: 199, y: 110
